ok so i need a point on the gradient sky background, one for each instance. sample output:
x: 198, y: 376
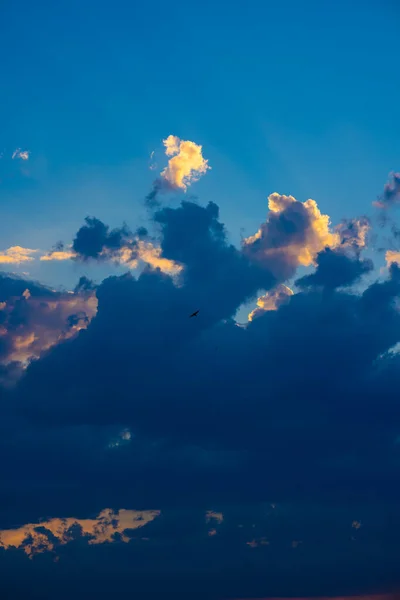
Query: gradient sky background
x: 296, y: 98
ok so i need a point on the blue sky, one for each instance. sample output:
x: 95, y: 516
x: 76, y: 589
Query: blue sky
x: 264, y: 457
x: 296, y: 98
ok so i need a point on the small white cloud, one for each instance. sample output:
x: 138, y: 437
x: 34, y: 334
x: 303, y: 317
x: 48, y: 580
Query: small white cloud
x: 22, y: 154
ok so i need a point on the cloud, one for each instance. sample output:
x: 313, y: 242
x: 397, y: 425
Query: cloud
x: 21, y: 154
x: 271, y: 301
x: 354, y: 233
x: 17, y: 255
x: 95, y: 240
x: 59, y: 254
x: 336, y: 269
x: 186, y: 164
x: 46, y: 536
x: 185, y: 167
x: 298, y: 408
x: 392, y: 256
x: 391, y: 192
x: 293, y: 234
x: 37, y: 319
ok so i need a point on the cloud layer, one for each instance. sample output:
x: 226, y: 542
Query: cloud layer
x: 297, y: 409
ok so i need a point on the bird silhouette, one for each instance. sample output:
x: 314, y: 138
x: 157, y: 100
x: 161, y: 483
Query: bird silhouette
x: 196, y: 312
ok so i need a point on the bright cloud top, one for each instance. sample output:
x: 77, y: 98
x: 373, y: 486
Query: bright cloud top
x: 30, y: 325
x: 271, y: 301
x: 16, y: 255
x: 293, y: 234
x: 36, y: 538
x: 186, y: 164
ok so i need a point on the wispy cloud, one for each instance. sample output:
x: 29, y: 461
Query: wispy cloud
x: 33, y: 323
x: 46, y: 536
x: 391, y: 192
x: 271, y: 301
x: 17, y: 255
x: 21, y: 154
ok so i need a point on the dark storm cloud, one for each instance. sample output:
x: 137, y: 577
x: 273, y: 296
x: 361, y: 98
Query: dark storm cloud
x: 300, y: 404
x: 335, y: 269
x: 262, y: 392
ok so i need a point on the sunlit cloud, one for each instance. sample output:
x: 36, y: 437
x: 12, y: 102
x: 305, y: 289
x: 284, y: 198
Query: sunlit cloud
x: 293, y: 234
x: 392, y: 256
x: 108, y: 527
x: 59, y: 255
x: 22, y: 154
x: 186, y: 164
x: 271, y: 301
x: 33, y: 324
x: 17, y: 255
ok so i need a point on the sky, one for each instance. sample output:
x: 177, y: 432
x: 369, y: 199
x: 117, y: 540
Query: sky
x: 162, y: 159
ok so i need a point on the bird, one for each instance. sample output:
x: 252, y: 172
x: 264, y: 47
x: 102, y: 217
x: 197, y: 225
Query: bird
x: 196, y: 312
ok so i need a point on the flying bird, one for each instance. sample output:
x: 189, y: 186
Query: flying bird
x: 196, y: 312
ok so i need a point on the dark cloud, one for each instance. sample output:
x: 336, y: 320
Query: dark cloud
x: 298, y: 408
x: 391, y: 192
x: 95, y: 238
x: 335, y: 269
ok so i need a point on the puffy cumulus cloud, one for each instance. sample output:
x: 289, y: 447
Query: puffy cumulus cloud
x: 37, y: 318
x: 17, y: 255
x: 186, y: 163
x: 391, y: 192
x: 271, y: 300
x: 109, y: 526
x: 185, y: 167
x: 293, y: 234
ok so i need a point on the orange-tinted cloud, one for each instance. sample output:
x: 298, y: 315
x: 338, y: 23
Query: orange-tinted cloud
x: 59, y: 255
x: 128, y: 255
x: 392, y: 256
x: 186, y: 164
x: 293, y: 234
x: 214, y: 516
x: 33, y: 324
x: 35, y: 538
x: 272, y: 300
x: 16, y: 255
x: 353, y: 233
